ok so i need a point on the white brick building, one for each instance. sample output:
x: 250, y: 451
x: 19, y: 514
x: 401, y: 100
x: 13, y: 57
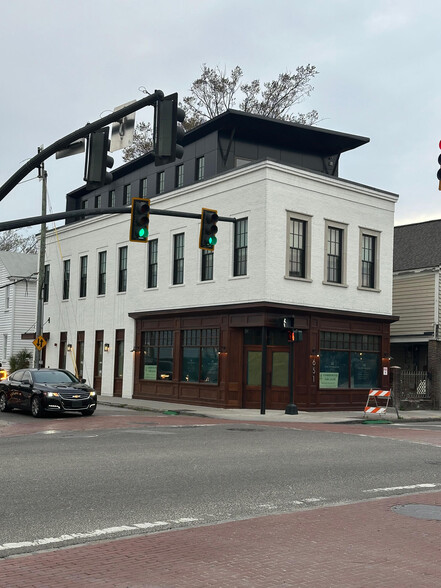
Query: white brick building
x: 307, y: 244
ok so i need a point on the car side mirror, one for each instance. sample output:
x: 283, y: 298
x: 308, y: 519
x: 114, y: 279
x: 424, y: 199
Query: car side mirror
x: 83, y: 380
x: 27, y: 382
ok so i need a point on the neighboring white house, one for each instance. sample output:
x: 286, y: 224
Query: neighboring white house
x: 18, y: 286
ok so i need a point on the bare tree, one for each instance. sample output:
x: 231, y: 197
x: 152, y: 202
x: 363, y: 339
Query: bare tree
x: 215, y: 91
x: 13, y: 240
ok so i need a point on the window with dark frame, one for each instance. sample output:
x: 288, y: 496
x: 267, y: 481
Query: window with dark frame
x: 102, y: 263
x: 152, y: 278
x: 66, y: 279
x: 83, y: 276
x: 178, y: 258
x: 127, y: 194
x: 111, y: 199
x: 98, y: 201
x: 334, y: 256
x: 156, y: 355
x: 368, y: 253
x: 207, y: 265
x: 297, y: 248
x: 179, y: 176
x: 122, y: 269
x: 349, y: 360
x: 200, y: 168
x: 160, y: 182
x: 200, y: 356
x: 46, y: 283
x: 143, y: 188
x: 240, y: 247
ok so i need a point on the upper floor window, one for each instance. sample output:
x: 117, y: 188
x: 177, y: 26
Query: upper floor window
x: 46, y: 283
x: 240, y: 247
x: 127, y: 194
x: 66, y: 279
x: 83, y: 276
x: 7, y: 296
x: 298, y: 254
x: 98, y: 201
x: 102, y: 269
x: 368, y: 259
x: 200, y: 168
x: 160, y: 182
x: 84, y: 204
x: 207, y: 265
x: 143, y: 188
x: 179, y: 176
x: 111, y: 199
x: 178, y: 258
x: 122, y: 269
x: 152, y: 279
x: 335, y: 253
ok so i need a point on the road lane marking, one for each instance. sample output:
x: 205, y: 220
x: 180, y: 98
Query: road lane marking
x: 411, y: 487
x: 93, y: 534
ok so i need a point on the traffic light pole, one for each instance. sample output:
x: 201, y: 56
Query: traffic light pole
x: 291, y: 408
x: 40, y: 287
x: 64, y: 142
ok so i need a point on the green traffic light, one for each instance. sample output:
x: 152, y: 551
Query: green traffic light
x: 212, y: 240
x: 141, y: 232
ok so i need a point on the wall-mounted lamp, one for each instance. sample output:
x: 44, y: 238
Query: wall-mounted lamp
x: 106, y: 346
x: 135, y: 349
x: 69, y: 346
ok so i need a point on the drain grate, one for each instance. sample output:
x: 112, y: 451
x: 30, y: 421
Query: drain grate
x: 428, y: 512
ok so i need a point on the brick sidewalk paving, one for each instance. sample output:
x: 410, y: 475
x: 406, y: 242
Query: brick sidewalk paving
x: 362, y: 545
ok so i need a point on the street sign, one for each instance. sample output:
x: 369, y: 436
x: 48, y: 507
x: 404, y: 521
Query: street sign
x: 39, y: 342
x: 122, y: 130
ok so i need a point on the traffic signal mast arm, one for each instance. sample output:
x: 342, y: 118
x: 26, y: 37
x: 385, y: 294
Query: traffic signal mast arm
x: 37, y: 220
x: 64, y: 142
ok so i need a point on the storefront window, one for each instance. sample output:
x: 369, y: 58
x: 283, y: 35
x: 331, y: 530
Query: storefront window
x: 200, y: 355
x: 349, y: 361
x: 157, y: 355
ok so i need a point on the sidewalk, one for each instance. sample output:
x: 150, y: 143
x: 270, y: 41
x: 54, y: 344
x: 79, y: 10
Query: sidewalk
x: 370, y: 544
x: 277, y: 416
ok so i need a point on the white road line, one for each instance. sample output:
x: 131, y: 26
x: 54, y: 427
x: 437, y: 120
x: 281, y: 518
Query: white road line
x: 411, y: 487
x: 92, y: 534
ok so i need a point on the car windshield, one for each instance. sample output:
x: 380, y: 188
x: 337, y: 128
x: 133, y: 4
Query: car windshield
x: 54, y: 377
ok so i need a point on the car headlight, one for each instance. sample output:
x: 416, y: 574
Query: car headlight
x: 92, y: 393
x: 52, y: 394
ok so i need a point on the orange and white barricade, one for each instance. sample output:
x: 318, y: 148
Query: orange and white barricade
x: 374, y: 396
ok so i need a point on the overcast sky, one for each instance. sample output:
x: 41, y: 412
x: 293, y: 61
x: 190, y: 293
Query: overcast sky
x: 67, y: 62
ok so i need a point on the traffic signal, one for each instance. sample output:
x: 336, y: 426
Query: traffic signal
x: 139, y: 221
x: 295, y: 335
x: 288, y: 322
x: 207, y: 236
x: 168, y: 131
x: 438, y: 175
x: 98, y: 159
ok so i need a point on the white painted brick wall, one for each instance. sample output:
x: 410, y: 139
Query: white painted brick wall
x: 263, y: 192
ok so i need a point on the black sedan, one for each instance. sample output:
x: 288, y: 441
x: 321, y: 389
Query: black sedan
x: 46, y: 390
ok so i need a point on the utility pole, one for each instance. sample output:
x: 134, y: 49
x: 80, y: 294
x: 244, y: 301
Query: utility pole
x: 42, y: 174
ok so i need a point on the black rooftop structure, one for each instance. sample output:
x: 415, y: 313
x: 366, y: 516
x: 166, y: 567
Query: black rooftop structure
x: 231, y: 139
x: 417, y: 246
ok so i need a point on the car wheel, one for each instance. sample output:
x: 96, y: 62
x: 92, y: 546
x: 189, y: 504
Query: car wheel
x: 36, y: 408
x: 88, y: 412
x: 4, y: 403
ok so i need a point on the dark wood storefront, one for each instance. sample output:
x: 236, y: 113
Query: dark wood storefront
x: 239, y: 351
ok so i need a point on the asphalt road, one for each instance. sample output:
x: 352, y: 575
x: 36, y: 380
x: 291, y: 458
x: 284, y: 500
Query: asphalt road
x: 62, y: 487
